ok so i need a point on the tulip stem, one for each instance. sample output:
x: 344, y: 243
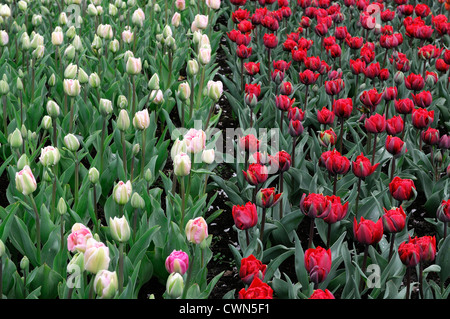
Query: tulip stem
x: 133, y: 83
x: 38, y: 228
x: 143, y: 153
x: 408, y: 281
x: 294, y: 145
x: 357, y: 197
x: 363, y: 267
x: 5, y: 116
x: 183, y: 201
x: 191, y: 98
x: 281, y: 182
x: 391, y: 250
x: 211, y: 111
x: 53, y: 208
x: 263, y: 223
x: 421, y: 280
x: 329, y: 236
x: 200, y: 91
x: 374, y: 148
x: 55, y: 134
x: 124, y: 152
x: 77, y: 177
x: 71, y: 114
x: 311, y: 233
x: 247, y: 237
x: 32, y: 79
x: 95, y: 207
x: 62, y: 232
x: 242, y: 77
x: 334, y: 184
x: 120, y: 268
x: 341, y: 134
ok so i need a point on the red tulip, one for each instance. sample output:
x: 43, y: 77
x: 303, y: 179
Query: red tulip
x: 270, y: 23
x: 421, y: 118
x: 338, y: 210
x: 251, y: 68
x: 337, y: 163
x: 295, y: 113
x: 298, y: 54
x: 256, y: 290
x: 249, y: 143
x: 267, y: 197
x: 404, y: 106
x: 317, y: 263
x: 251, y: 268
x: 308, y: 77
x: 256, y: 174
x: 409, y: 254
x: 245, y: 216
x: 394, y: 220
x: 327, y: 137
x: 395, y: 146
x: 441, y: 66
x: 286, y: 88
x: 270, y: 40
x: 372, y: 70
x: 402, y: 189
x: 423, y: 99
x: 243, y: 52
x: 343, y: 107
x: 322, y: 294
x: 253, y: 89
x: 414, y: 82
x: 277, y: 76
x: 245, y: 26
x: 362, y: 167
x: 283, y: 102
x: 389, y: 93
x: 325, y: 116
x: 427, y: 247
x: 357, y: 66
x: 371, y: 98
x: 281, y: 65
x: 367, y: 232
x: 281, y: 161
x: 354, y: 43
x: 375, y: 124
x: 315, y: 205
x: 443, y: 212
x: 341, y: 33
x: 295, y: 128
x: 430, y: 136
x: 334, y: 87
x: 394, y: 125
x: 444, y: 142
x: 243, y: 38
x: 312, y: 63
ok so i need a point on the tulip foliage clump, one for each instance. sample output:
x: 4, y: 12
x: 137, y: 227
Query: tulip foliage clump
x: 113, y: 152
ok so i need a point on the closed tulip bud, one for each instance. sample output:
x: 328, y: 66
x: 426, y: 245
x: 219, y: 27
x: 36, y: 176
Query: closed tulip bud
x: 267, y: 197
x: 141, y: 120
x: 204, y: 55
x: 71, y: 71
x: 179, y: 146
x: 175, y: 285
x: 92, y: 10
x: 208, y: 156
x: 402, y: 189
x: 136, y: 149
x: 94, y: 80
x: 114, y: 46
x: 25, y: 181
x: 123, y: 121
x: 180, y: 4
x: 182, y: 164
x: 15, y: 139
x: 157, y: 97
x: 23, y: 161
x: 368, y: 232
x: 327, y: 137
x: 36, y: 19
x: 47, y: 178
x: 4, y: 38
x: 153, y: 83
x: 25, y: 41
x: 19, y: 84
x: 148, y: 175
x: 399, y: 78
x: 69, y: 52
x: 57, y: 38
x: 196, y: 230
x: 134, y: 66
x: 61, y: 207
x: 71, y: 32
x: 215, y: 90
x: 362, y: 166
x: 122, y: 101
x: 184, y: 91
x: 105, y: 107
x: 138, y: 17
x: 112, y: 9
x: 2, y: 249
x: 52, y: 80
x: 96, y: 256
x: 137, y: 201
x: 4, y: 87
x: 127, y: 35
x: 177, y: 261
x: 23, y: 5
x: 99, y: 9
x: 50, y: 156
x: 83, y: 78
x: 106, y: 284
x: 213, y: 4
x: 122, y: 192
x: 71, y: 142
x: 38, y: 53
x: 176, y: 19
x: 93, y: 175
x: 167, y: 31
x: 71, y: 87
x: 192, y: 67
x: 46, y: 122
x: 120, y: 229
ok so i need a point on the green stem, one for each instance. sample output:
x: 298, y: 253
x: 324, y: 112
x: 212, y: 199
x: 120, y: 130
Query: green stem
x: 95, y: 208
x: 77, y: 177
x: 38, y: 229
x: 374, y: 148
x: 263, y: 223
x: 183, y: 201
x: 120, y: 268
x: 62, y: 233
x: 5, y: 116
x: 124, y: 152
x: 143, y: 153
x: 71, y: 114
x: 102, y: 144
x: 191, y: 98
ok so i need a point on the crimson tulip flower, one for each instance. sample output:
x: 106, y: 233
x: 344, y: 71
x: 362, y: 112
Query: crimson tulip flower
x: 395, y: 145
x: 245, y: 216
x: 250, y: 268
x: 325, y: 116
x: 257, y: 290
x: 267, y: 197
x: 368, y: 232
x: 308, y: 77
x: 409, y: 254
x: 362, y: 167
x: 322, y: 294
x: 338, y: 210
x: 430, y: 136
x: 404, y: 106
x: 252, y: 68
x: 394, y: 219
x: 256, y: 174
x: 421, y: 118
x: 414, y: 82
x: 423, y: 99
x: 318, y: 263
x: 402, y: 189
x: 394, y: 125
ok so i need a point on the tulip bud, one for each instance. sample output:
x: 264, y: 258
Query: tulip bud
x: 399, y: 78
x: 4, y: 87
x: 57, y: 38
x: 71, y: 87
x: 208, y: 156
x: 15, y: 139
x: 137, y: 201
x: 138, y: 17
x: 192, y: 67
x: 182, y: 164
x: 136, y: 149
x: 69, y: 52
x: 141, y: 120
x: 4, y: 38
x: 24, y: 263
x: 71, y: 142
x: 50, y: 156
x: 36, y: 19
x: 94, y: 80
x: 122, y: 101
x: 134, y: 66
x: 46, y: 122
x: 19, y: 84
x: 114, y: 46
x: 83, y: 78
x: 112, y: 9
x: 52, y: 80
x: 23, y: 5
x: 23, y: 161
x: 120, y: 229
x: 127, y: 35
x: 61, y: 207
x: 176, y: 19
x: 153, y: 84
x: 71, y: 71
x: 167, y: 31
x: 184, y: 91
x: 177, y: 261
x: 105, y: 107
x: 63, y: 20
x: 196, y: 230
x: 148, y: 175
x: 71, y: 32
x: 122, y: 192
x: 93, y: 175
x: 106, y: 284
x: 204, y: 55
x: 175, y: 285
x: 123, y: 121
x: 157, y: 97
x: 215, y: 90
x: 96, y: 256
x: 25, y: 181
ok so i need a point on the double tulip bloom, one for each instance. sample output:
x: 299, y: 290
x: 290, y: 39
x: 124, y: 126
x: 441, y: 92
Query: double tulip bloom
x: 251, y: 268
x: 196, y: 230
x: 395, y: 145
x: 362, y: 167
x: 245, y: 216
x: 338, y: 210
x: 394, y: 220
x: 335, y: 163
x: 177, y: 261
x: 25, y: 181
x: 318, y: 263
x: 402, y: 189
x: 267, y: 197
x: 367, y: 232
x: 256, y: 174
x: 315, y: 205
